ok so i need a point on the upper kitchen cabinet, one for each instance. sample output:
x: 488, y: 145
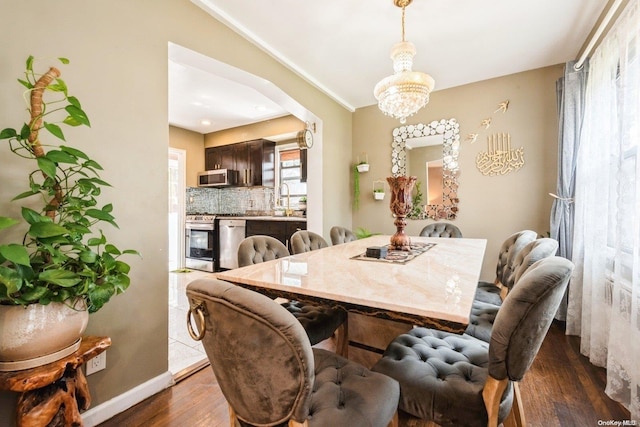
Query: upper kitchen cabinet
x: 261, y: 156
x: 222, y: 157
x: 254, y: 160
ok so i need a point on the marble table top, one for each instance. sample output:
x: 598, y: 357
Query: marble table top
x: 435, y: 289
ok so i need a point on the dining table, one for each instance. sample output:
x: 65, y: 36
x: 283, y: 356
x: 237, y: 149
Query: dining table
x: 433, y: 285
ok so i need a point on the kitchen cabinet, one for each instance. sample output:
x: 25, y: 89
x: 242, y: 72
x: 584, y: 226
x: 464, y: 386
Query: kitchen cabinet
x: 221, y: 157
x: 254, y: 160
x: 281, y: 230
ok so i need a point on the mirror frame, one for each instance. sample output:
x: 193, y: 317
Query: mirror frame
x: 450, y: 131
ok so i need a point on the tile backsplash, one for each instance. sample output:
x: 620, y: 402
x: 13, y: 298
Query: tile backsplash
x: 229, y: 200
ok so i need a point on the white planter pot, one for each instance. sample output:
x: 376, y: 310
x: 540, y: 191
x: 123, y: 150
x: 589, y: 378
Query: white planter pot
x: 39, y: 334
x: 363, y: 167
x: 378, y: 196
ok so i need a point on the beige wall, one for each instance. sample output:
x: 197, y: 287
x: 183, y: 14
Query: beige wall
x: 266, y: 129
x: 118, y: 70
x: 193, y: 144
x: 491, y: 207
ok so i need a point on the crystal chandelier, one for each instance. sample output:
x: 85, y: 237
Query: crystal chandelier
x: 405, y: 92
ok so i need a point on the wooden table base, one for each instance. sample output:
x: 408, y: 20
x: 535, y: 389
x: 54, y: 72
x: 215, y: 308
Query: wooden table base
x: 54, y: 394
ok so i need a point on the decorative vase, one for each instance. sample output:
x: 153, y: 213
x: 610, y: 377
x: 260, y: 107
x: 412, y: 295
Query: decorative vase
x: 401, y: 205
x: 37, y: 334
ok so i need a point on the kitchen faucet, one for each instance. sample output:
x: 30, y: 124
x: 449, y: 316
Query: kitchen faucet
x: 288, y: 211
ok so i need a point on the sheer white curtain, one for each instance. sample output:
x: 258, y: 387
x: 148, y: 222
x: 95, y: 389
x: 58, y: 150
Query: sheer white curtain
x: 605, y: 292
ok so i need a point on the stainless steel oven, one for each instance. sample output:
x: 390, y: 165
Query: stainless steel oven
x: 200, y: 245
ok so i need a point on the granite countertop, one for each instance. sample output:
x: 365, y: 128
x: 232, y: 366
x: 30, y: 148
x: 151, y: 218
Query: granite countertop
x: 265, y: 218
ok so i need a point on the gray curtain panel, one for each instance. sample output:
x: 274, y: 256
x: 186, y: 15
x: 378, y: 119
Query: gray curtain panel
x: 570, y: 91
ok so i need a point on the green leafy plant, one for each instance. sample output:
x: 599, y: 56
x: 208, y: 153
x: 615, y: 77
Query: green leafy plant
x: 378, y: 190
x: 356, y: 187
x: 62, y: 255
x: 416, y: 209
x: 302, y: 199
x: 363, y: 233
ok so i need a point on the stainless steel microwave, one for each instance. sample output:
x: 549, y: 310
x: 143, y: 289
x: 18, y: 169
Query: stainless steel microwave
x: 218, y: 178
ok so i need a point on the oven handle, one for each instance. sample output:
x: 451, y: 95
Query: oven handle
x: 204, y: 227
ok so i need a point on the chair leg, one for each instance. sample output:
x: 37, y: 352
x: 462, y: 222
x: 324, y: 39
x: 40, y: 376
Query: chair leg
x: 491, y: 394
x: 293, y: 423
x: 342, y: 339
x: 233, y: 420
x: 394, y: 420
x: 516, y: 416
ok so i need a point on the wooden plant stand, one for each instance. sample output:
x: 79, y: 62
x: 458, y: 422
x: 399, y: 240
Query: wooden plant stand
x: 54, y: 394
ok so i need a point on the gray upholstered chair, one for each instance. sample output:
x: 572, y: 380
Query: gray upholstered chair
x: 458, y: 380
x: 483, y: 314
x: 319, y: 322
x: 257, y: 249
x: 490, y: 292
x: 341, y: 235
x: 305, y: 241
x: 441, y: 229
x: 268, y: 372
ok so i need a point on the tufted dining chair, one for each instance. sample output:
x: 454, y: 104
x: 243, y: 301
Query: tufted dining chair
x: 488, y: 292
x: 341, y: 235
x: 320, y: 322
x: 458, y: 380
x: 305, y: 241
x: 483, y: 314
x: 268, y: 372
x: 441, y: 229
x: 257, y: 249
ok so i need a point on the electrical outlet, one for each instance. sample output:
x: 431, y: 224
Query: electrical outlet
x: 96, y: 364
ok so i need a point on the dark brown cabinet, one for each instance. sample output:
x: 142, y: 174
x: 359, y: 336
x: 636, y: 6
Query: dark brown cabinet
x: 281, y: 230
x: 222, y: 157
x: 254, y: 160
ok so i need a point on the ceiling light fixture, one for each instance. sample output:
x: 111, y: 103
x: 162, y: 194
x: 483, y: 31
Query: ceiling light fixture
x: 404, y: 92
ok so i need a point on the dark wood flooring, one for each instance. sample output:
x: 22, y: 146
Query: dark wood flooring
x: 561, y: 389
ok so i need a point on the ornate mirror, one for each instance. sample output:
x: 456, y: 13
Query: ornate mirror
x: 429, y: 152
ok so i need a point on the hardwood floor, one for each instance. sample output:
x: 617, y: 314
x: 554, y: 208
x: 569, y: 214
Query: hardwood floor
x: 561, y: 389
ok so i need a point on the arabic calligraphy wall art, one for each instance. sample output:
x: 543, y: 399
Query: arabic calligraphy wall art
x: 500, y: 158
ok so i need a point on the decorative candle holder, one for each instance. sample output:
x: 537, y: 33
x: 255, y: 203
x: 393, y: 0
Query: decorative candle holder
x: 401, y: 205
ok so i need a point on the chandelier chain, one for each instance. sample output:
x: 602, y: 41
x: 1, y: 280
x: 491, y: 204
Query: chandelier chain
x: 403, y: 7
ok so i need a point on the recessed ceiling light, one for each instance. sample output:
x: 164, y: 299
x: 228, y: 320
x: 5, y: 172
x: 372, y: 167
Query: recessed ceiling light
x: 205, y: 122
x: 261, y: 108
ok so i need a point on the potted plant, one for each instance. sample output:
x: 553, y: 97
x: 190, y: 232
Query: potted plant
x: 363, y: 165
x: 64, y: 261
x: 378, y: 190
x: 302, y: 203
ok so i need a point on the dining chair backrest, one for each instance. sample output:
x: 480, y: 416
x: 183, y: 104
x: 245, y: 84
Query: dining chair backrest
x: 441, y: 229
x: 509, y: 250
x: 529, y: 255
x: 525, y: 317
x: 305, y: 241
x: 259, y: 352
x: 341, y: 235
x: 257, y: 249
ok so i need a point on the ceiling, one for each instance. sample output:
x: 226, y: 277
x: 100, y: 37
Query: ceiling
x: 342, y: 47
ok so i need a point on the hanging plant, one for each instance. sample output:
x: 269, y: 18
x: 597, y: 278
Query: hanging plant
x: 356, y: 187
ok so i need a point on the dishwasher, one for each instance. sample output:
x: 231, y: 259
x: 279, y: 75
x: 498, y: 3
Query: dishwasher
x: 231, y: 233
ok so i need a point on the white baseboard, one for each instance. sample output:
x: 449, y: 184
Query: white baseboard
x: 126, y: 400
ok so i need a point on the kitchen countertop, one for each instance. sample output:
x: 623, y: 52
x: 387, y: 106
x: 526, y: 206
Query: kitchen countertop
x: 265, y: 218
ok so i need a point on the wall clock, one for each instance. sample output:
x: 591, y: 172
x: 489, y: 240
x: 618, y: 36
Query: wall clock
x: 305, y: 139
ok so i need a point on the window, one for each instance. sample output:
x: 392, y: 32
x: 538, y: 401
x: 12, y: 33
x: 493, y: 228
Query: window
x: 289, y: 161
